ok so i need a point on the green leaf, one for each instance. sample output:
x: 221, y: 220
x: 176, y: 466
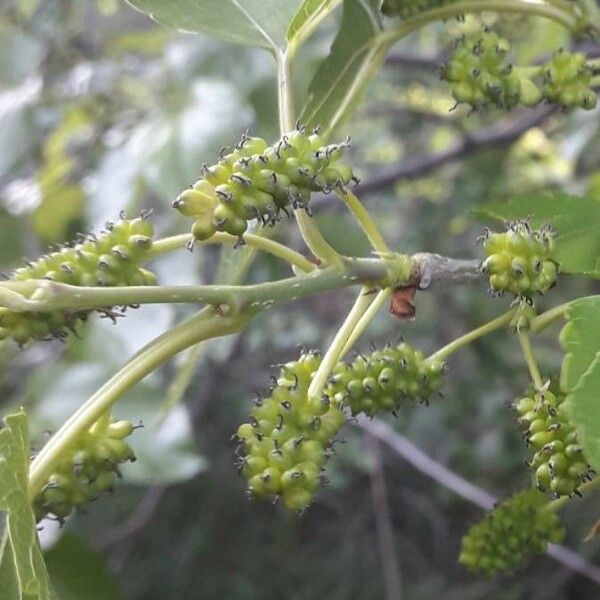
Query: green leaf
x: 585, y: 412
x: 580, y: 338
x: 311, y: 13
x: 23, y: 575
x: 262, y: 23
x: 577, y: 220
x: 580, y: 375
x: 80, y: 573
x: 355, y: 56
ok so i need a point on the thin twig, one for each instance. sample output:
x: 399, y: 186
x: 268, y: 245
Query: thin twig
x: 137, y: 521
x: 465, y: 489
x: 414, y: 61
x: 383, y: 521
x: 496, y: 136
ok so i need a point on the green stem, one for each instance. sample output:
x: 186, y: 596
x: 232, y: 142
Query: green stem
x: 335, y: 351
x: 255, y: 241
x: 383, y: 272
x: 526, y: 7
x: 528, y: 71
x: 529, y: 356
x: 284, y: 93
x: 497, y: 323
x: 566, y: 5
x: 12, y: 297
x: 169, y: 244
x: 366, y: 222
x: 554, y: 314
x: 370, y: 313
x: 309, y: 230
x: 547, y: 318
x: 313, y: 238
x: 202, y: 326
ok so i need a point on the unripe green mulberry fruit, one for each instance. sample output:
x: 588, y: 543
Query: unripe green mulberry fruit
x: 507, y: 535
x: 88, y: 469
x: 287, y: 438
x: 111, y: 258
x: 558, y: 463
x: 382, y: 380
x: 566, y: 80
x: 520, y: 260
x: 256, y: 181
x: 480, y: 74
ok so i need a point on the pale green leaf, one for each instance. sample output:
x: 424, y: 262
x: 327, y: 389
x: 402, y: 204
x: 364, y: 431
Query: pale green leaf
x: 22, y: 570
x: 577, y: 220
x: 584, y: 410
x: 355, y: 55
x: 262, y: 23
x: 580, y: 339
x: 580, y: 375
x: 308, y: 17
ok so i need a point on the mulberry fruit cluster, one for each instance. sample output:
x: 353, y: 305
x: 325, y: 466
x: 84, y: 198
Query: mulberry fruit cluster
x: 409, y: 8
x: 520, y: 260
x: 257, y: 181
x: 480, y: 74
x: 288, y: 437
x: 382, y: 380
x: 89, y: 469
x: 558, y: 462
x: 111, y: 258
x: 566, y: 81
x: 515, y: 529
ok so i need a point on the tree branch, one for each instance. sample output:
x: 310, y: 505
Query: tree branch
x: 434, y: 269
x: 465, y: 489
x: 383, y: 521
x: 422, y: 270
x: 496, y: 136
x: 413, y: 61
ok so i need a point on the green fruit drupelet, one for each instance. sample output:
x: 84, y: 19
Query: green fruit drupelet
x: 380, y: 381
x: 520, y: 260
x: 480, y: 74
x: 567, y: 79
x: 508, y: 534
x: 558, y: 462
x: 87, y: 469
x: 257, y: 181
x: 111, y: 258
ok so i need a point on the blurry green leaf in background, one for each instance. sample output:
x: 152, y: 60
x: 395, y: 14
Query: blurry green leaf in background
x: 580, y: 376
x: 576, y: 220
x: 78, y: 572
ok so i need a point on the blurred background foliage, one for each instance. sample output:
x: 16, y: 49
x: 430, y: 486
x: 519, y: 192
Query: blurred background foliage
x: 101, y: 110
